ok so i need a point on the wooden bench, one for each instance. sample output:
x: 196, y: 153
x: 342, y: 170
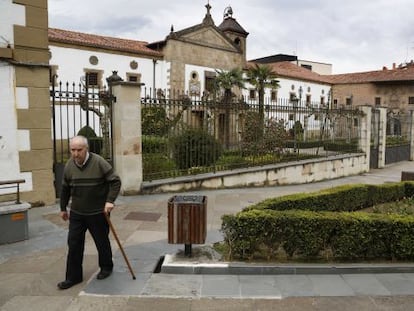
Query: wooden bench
x: 15, y: 183
x: 13, y: 215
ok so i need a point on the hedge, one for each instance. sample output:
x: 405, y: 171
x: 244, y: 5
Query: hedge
x: 323, y: 226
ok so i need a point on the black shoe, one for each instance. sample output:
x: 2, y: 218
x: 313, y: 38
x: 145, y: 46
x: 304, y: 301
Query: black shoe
x: 67, y: 284
x: 103, y: 274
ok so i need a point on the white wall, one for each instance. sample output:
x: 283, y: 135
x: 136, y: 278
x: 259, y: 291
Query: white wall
x: 201, y: 75
x: 72, y: 64
x: 321, y: 68
x: 11, y: 140
x: 10, y: 14
x: 288, y: 86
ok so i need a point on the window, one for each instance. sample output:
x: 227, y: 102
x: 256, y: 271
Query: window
x: 291, y: 117
x: 133, y: 77
x: 209, y: 78
x: 292, y: 97
x: 273, y: 95
x: 308, y: 99
x: 252, y: 94
x: 411, y: 100
x: 377, y: 101
x: 322, y: 100
x: 93, y: 78
x: 335, y: 103
x: 348, y: 101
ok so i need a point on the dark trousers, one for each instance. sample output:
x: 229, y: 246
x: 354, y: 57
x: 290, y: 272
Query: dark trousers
x: 99, y: 229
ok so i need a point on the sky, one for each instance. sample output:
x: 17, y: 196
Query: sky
x: 352, y: 35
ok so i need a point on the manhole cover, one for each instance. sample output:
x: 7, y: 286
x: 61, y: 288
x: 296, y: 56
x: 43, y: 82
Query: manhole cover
x: 143, y: 216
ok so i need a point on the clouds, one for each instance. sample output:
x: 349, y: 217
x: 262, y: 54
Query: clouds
x: 353, y: 35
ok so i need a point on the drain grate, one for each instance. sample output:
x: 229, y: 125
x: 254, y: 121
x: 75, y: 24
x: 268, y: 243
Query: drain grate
x: 143, y: 216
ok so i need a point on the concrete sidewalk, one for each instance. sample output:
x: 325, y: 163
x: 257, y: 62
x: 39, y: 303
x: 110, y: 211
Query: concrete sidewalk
x: 30, y: 270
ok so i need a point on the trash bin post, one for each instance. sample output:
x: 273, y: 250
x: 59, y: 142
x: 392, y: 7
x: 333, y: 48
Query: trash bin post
x: 187, y: 221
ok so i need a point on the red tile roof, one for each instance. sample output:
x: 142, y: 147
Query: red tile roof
x: 284, y: 69
x: 103, y: 42
x: 386, y: 75
x: 290, y: 70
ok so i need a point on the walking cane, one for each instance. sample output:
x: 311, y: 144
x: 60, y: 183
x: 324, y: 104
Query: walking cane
x: 119, y: 245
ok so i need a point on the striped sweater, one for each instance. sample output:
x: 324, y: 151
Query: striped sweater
x: 89, y: 186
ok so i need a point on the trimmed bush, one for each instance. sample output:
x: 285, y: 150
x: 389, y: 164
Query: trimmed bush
x: 95, y: 142
x: 195, y: 147
x: 154, y: 163
x: 322, y: 225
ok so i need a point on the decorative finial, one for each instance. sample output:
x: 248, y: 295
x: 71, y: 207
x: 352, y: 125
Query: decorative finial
x: 172, y: 28
x: 208, y: 6
x: 228, y: 12
x: 208, y: 20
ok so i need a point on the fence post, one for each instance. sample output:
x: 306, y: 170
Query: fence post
x: 365, y: 135
x: 127, y: 135
x: 382, y: 139
x: 411, y: 135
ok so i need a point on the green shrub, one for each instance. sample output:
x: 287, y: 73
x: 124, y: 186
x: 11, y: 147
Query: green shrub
x: 323, y: 225
x: 195, y: 147
x: 95, y: 142
x: 341, y: 146
x: 154, y: 144
x: 154, y: 121
x: 87, y: 132
x: 154, y: 163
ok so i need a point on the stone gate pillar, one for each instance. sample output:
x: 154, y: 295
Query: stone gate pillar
x: 412, y: 136
x: 365, y: 134
x: 382, y: 139
x: 126, y: 134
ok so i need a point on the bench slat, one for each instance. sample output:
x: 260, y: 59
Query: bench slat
x: 15, y: 181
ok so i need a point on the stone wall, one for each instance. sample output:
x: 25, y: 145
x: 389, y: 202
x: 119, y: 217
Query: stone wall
x: 300, y: 172
x: 30, y: 80
x: 180, y: 53
x: 394, y: 96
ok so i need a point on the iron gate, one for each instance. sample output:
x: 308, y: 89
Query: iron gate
x: 78, y: 109
x: 398, y: 136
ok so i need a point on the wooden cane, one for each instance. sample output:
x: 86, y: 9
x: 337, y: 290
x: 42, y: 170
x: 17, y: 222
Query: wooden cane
x: 119, y: 245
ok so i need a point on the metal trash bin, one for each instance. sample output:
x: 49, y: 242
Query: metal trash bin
x: 13, y: 222
x: 187, y: 220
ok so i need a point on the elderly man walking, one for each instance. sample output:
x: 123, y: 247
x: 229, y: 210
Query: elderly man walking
x: 92, y: 185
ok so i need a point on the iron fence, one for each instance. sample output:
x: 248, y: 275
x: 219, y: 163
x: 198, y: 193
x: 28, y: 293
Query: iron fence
x: 78, y: 109
x: 398, y: 136
x: 187, y: 135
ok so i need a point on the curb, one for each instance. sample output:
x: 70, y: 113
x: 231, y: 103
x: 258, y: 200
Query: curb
x: 237, y: 268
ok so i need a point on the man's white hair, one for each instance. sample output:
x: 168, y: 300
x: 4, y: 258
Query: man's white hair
x: 80, y: 139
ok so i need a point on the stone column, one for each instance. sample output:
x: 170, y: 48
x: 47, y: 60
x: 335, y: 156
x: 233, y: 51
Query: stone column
x: 365, y: 135
x: 412, y: 136
x: 382, y: 136
x: 127, y: 137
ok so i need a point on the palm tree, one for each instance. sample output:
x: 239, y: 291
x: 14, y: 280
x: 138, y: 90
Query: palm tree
x: 226, y: 80
x: 262, y: 77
